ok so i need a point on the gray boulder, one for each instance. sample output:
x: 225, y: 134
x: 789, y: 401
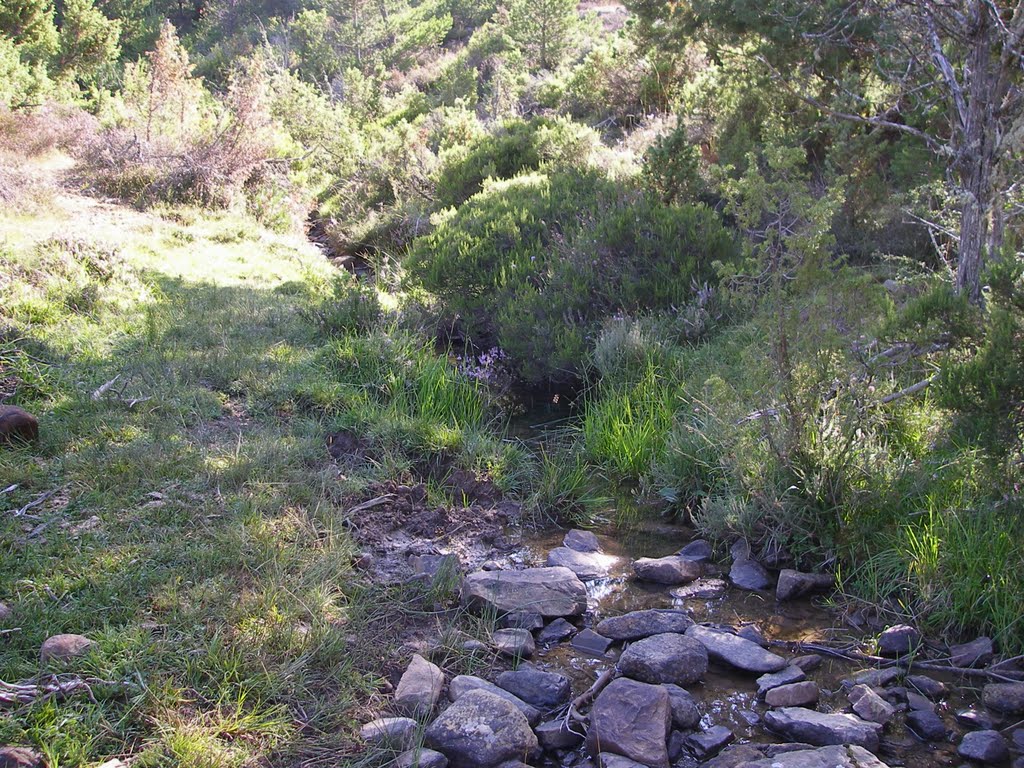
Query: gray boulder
x: 557, y: 735
x: 591, y: 642
x: 550, y: 592
x: 420, y: 688
x: 869, y: 705
x: 555, y: 632
x: 640, y: 624
x: 926, y: 725
x: 984, y: 746
x: 631, y: 719
x: 544, y: 690
x: 581, y: 541
x: 421, y: 758
x: 791, y: 674
x: 803, y: 694
x: 793, y: 584
x: 898, y: 640
x: 851, y: 756
x: 394, y: 732
x: 669, y: 570
x: 709, y: 741
x: 822, y: 730
x: 1004, y: 697
x: 750, y: 575
x: 685, y: 714
x: 697, y: 550
x: 481, y: 730
x: 976, y: 653
x: 463, y: 684
x: 517, y: 643
x: 735, y: 651
x: 666, y: 658
x: 586, y: 565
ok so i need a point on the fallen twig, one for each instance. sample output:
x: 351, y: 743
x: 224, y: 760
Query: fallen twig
x: 936, y: 666
x: 102, y: 389
x: 15, y: 694
x: 589, y: 695
x: 35, y: 503
x: 912, y: 389
x: 371, y: 503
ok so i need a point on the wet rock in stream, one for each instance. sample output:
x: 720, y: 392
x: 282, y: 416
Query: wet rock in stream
x: 586, y: 565
x: 846, y: 756
x: 670, y: 570
x: 631, y: 719
x: 544, y: 690
x: 582, y: 541
x: 736, y: 651
x: 640, y: 624
x: 550, y: 592
x: 666, y: 658
x: 822, y: 729
x: 987, y: 747
x: 794, y: 584
x: 750, y: 575
x: 1007, y: 698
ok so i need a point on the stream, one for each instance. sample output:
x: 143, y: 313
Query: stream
x: 727, y: 697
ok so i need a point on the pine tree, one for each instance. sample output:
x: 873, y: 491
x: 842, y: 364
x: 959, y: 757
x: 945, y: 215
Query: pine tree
x: 543, y: 28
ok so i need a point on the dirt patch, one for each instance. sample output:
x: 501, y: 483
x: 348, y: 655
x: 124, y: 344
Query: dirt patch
x: 393, y: 523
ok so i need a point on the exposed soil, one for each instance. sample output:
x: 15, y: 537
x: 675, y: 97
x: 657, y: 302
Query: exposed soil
x: 394, y: 523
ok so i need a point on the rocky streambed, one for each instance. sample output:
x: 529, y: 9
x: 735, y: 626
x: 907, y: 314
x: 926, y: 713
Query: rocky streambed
x: 640, y: 650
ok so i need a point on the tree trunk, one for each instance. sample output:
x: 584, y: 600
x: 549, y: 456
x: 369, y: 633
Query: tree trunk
x: 977, y: 153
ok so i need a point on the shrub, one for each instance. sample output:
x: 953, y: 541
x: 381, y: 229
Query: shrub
x: 535, y: 264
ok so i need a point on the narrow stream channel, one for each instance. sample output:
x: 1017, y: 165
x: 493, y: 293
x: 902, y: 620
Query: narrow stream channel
x: 727, y: 697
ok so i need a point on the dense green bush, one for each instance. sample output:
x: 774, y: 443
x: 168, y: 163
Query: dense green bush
x: 535, y: 264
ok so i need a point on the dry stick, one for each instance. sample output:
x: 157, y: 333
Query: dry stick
x: 12, y: 694
x: 36, y: 503
x: 590, y: 694
x: 795, y: 645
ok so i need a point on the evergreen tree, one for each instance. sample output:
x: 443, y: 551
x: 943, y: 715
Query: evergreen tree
x: 88, y: 40
x: 543, y: 28
x: 29, y: 23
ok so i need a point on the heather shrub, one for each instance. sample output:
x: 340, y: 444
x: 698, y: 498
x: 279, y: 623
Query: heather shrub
x: 536, y: 263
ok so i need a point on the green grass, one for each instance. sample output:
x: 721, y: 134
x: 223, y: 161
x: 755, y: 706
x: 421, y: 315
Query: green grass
x: 194, y: 527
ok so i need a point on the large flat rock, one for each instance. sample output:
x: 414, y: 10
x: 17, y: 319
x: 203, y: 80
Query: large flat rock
x: 826, y: 757
x: 736, y: 651
x: 671, y: 570
x: 551, y: 592
x: 586, y: 565
x: 640, y: 624
x: 821, y: 729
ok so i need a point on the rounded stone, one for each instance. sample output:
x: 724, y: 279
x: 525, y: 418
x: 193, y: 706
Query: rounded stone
x: 666, y: 658
x: 60, y: 647
x: 481, y: 730
x: 984, y: 746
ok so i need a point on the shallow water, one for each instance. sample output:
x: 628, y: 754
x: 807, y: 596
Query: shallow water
x: 725, y: 696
